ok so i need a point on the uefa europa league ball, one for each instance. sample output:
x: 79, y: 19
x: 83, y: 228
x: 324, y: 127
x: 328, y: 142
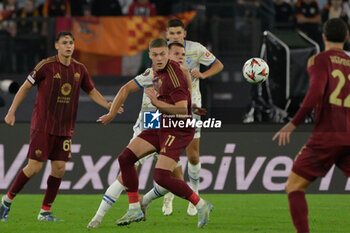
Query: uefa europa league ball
x: 255, y: 70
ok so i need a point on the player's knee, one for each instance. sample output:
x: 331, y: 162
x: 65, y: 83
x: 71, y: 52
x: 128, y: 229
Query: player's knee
x: 32, y: 168
x: 194, y: 160
x: 161, y: 176
x: 291, y: 187
x: 126, y: 157
x: 193, y: 156
x: 58, y: 171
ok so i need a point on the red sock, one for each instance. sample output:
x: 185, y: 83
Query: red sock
x: 53, y: 185
x: 133, y: 197
x: 17, y: 185
x: 174, y: 185
x: 298, y: 210
x: 194, y: 198
x: 127, y: 159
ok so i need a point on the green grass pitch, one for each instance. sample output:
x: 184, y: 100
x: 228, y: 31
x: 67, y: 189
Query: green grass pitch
x: 241, y: 213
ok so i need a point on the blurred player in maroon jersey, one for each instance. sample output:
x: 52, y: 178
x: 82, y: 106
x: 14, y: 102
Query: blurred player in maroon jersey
x: 171, y: 96
x: 329, y: 142
x: 59, y: 79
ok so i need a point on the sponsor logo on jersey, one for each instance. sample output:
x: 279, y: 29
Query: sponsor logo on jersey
x: 57, y: 75
x: 66, y: 89
x: 76, y: 76
x: 207, y: 54
x: 151, y: 119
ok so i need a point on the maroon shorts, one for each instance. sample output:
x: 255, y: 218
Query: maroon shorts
x: 170, y: 143
x: 44, y: 146
x: 315, y: 160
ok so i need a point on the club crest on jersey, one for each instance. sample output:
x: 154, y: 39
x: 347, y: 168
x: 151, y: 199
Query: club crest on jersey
x: 76, y: 76
x: 151, y: 119
x: 66, y: 89
x: 157, y: 83
x: 38, y: 153
x: 57, y: 75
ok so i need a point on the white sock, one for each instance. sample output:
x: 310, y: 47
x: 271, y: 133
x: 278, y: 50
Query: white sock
x: 194, y: 174
x: 135, y: 205
x: 7, y: 199
x: 200, y: 204
x: 157, y: 192
x: 111, y: 195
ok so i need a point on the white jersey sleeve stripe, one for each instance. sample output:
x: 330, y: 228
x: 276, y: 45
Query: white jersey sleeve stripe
x: 138, y: 83
x: 31, y: 80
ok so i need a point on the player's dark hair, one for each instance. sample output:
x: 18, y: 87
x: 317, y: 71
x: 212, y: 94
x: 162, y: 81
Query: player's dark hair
x: 63, y: 34
x: 175, y: 23
x: 335, y: 30
x: 175, y: 44
x: 158, y: 43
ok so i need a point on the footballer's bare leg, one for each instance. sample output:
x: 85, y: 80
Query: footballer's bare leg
x: 295, y: 188
x: 194, y: 166
x: 58, y: 168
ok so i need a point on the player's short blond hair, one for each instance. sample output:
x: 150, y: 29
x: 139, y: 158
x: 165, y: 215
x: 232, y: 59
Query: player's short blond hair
x: 158, y: 43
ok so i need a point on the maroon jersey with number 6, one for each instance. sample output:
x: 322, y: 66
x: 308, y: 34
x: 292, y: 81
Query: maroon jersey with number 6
x: 329, y: 96
x: 56, y: 104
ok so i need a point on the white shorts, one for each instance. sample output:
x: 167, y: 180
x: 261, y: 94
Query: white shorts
x: 137, y: 131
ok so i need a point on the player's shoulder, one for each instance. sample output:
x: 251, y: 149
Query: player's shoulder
x: 192, y: 44
x: 45, y: 62
x: 173, y: 65
x: 319, y: 58
x: 78, y: 63
x: 148, y: 73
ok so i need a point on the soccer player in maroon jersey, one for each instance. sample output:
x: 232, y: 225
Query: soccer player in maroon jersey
x: 329, y: 142
x: 171, y: 96
x: 59, y: 79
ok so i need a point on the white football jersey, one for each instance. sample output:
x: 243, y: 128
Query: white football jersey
x: 197, y: 54
x: 144, y: 81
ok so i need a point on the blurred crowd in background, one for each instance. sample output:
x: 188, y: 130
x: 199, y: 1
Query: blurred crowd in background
x: 27, y: 28
x: 231, y: 29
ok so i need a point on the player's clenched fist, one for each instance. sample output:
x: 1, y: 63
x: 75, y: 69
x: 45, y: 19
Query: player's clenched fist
x: 10, y: 119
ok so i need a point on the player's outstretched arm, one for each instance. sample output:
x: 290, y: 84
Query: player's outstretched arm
x: 283, y: 134
x: 215, y: 68
x: 96, y: 96
x: 19, y: 97
x: 118, y: 101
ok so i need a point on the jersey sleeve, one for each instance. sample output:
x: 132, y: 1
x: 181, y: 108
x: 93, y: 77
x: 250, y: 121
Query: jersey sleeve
x: 144, y: 80
x: 38, y: 74
x: 87, y: 84
x: 318, y: 74
x: 205, y: 56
